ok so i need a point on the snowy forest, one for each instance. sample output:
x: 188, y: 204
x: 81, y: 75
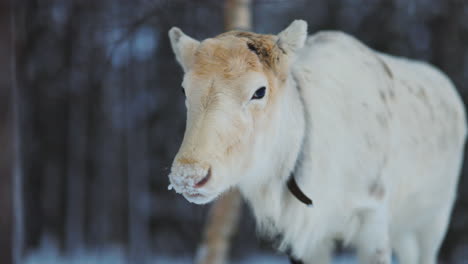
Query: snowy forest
x: 92, y: 114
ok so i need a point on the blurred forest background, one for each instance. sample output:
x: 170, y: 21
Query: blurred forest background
x: 95, y: 90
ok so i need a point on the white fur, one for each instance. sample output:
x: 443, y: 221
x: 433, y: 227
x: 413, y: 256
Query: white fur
x: 383, y: 147
x: 293, y: 37
x: 183, y: 46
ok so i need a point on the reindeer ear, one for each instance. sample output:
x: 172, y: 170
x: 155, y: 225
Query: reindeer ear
x: 293, y: 37
x: 183, y: 46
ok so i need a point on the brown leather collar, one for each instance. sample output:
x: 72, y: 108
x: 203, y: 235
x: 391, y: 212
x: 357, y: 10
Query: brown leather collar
x: 292, y: 184
x: 297, y: 192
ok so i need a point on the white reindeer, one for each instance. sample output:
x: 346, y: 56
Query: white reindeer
x: 375, y: 141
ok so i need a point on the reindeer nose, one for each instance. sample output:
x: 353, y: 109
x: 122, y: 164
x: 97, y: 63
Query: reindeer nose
x: 190, y: 174
x: 204, y: 180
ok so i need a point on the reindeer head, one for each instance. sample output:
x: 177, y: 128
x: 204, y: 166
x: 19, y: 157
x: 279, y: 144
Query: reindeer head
x: 234, y: 87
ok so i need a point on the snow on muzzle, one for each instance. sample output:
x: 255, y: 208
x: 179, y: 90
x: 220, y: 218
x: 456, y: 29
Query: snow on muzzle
x: 189, y: 179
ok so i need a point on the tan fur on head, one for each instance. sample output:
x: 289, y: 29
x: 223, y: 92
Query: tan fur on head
x: 263, y: 46
x: 234, y: 53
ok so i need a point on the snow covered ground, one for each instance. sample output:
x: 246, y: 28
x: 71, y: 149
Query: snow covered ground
x: 257, y: 259
x: 48, y: 253
x: 115, y: 257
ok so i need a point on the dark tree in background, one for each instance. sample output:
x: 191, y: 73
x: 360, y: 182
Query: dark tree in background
x: 7, y: 134
x: 101, y: 114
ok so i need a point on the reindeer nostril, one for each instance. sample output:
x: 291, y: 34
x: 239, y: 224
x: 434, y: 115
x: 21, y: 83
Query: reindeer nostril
x: 204, y: 180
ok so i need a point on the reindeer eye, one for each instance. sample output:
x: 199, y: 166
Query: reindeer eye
x: 259, y: 94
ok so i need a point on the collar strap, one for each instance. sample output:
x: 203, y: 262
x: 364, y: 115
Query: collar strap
x: 292, y: 184
x: 296, y: 191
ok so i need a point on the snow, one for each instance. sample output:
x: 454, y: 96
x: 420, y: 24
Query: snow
x: 48, y: 253
x: 257, y: 259
x: 113, y: 256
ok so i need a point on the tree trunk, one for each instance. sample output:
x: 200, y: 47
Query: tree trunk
x: 10, y: 162
x: 138, y: 165
x: 224, y: 215
x: 6, y: 128
x: 237, y: 15
x: 77, y: 143
x: 221, y: 224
